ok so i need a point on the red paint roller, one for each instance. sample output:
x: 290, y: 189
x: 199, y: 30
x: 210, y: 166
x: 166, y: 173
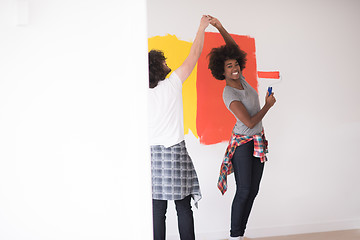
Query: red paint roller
x: 270, y: 75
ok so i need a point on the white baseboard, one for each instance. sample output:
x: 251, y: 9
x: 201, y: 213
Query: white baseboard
x: 282, y: 230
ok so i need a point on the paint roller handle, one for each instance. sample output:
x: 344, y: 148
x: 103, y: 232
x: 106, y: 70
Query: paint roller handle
x: 270, y: 99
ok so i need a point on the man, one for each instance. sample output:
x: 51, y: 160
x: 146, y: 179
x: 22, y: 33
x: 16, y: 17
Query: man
x: 173, y: 173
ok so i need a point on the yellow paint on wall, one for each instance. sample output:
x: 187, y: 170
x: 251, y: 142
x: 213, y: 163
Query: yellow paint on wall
x: 176, y: 51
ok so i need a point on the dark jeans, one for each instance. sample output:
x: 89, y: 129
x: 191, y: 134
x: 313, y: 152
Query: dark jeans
x: 185, y: 219
x: 248, y: 172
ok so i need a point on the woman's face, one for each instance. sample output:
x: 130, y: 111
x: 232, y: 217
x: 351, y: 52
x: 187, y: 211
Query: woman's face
x: 231, y: 69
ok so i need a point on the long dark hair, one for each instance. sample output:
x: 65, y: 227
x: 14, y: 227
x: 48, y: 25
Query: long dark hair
x: 157, y: 72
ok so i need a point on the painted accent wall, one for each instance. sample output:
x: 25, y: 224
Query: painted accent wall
x: 310, y: 182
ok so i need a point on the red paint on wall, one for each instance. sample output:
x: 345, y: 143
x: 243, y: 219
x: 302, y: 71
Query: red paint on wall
x: 214, y: 122
x: 272, y: 74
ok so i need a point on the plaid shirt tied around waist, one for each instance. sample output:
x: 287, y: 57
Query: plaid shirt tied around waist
x: 260, y: 149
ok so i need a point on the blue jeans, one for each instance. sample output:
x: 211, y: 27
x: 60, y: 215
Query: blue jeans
x: 185, y: 219
x: 248, y: 171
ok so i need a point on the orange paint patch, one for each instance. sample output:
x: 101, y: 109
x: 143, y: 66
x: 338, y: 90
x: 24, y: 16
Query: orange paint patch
x: 272, y: 75
x: 214, y: 121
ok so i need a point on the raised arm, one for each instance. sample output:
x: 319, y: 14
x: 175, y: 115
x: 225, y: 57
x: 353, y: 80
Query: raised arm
x: 195, y: 51
x: 227, y: 37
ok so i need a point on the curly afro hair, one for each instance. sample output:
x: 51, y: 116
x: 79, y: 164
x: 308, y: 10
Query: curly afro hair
x: 219, y: 55
x: 157, y: 72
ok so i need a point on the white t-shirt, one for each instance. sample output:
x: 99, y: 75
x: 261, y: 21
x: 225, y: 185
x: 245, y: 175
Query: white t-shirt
x: 165, y: 105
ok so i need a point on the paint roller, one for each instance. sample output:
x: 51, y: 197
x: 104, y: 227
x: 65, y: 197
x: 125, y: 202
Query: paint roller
x: 275, y: 76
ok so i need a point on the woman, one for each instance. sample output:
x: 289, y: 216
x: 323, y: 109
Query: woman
x: 172, y: 171
x: 245, y: 155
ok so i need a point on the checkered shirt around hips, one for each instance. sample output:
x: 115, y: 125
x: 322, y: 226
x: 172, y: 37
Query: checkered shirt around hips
x: 173, y: 174
x: 260, y: 149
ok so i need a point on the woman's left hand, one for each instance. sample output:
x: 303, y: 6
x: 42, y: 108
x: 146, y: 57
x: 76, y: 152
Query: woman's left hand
x: 215, y: 22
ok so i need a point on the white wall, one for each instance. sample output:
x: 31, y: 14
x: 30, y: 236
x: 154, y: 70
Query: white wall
x: 311, y: 180
x: 72, y: 164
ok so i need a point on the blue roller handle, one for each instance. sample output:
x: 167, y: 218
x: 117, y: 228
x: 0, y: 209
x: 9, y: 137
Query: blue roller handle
x: 270, y: 90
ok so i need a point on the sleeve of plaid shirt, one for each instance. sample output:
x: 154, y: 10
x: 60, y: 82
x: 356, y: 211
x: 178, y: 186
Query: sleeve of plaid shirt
x: 260, y: 150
